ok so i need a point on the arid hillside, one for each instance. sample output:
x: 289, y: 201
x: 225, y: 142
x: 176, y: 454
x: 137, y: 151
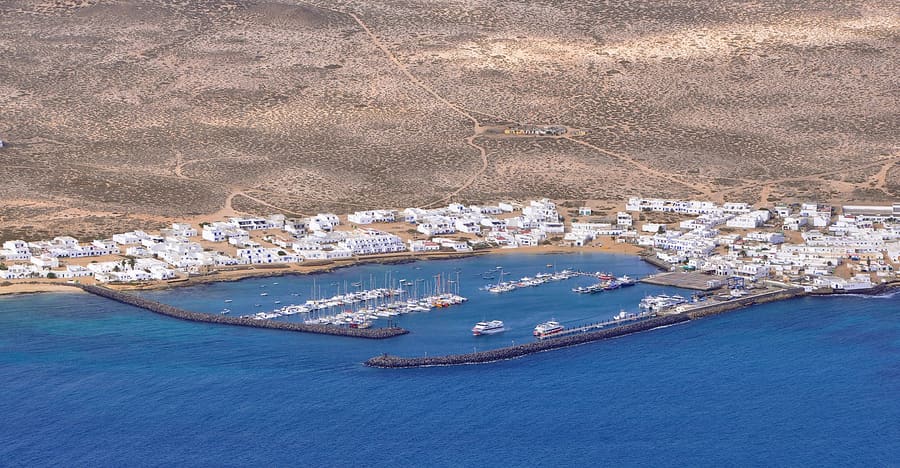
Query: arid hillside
x: 120, y: 114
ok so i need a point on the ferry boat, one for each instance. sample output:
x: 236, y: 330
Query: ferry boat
x: 487, y: 328
x: 547, y: 328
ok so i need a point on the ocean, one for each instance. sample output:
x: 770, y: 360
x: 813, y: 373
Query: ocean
x: 89, y: 382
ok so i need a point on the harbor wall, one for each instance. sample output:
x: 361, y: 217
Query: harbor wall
x: 175, y: 312
x: 511, y: 352
x: 656, y: 261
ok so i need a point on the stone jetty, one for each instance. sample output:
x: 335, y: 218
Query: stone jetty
x: 511, y: 352
x: 170, y: 311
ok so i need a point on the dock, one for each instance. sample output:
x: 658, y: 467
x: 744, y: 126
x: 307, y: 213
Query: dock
x: 175, y: 312
x: 598, y: 325
x: 686, y: 280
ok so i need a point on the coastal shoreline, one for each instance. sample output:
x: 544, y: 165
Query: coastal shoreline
x: 17, y: 287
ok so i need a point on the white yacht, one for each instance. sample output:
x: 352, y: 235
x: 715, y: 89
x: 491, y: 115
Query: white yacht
x: 487, y: 328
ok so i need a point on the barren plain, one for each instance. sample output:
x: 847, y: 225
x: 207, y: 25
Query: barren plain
x: 126, y: 114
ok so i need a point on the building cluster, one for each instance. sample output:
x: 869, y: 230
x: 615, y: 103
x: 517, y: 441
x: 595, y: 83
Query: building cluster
x: 863, y: 239
x: 847, y: 250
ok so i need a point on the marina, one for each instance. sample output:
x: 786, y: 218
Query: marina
x: 358, y: 309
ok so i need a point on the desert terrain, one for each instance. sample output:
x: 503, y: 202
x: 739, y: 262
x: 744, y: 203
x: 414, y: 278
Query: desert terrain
x: 131, y: 114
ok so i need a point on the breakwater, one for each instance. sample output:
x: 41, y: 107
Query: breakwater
x: 511, y: 352
x: 175, y: 312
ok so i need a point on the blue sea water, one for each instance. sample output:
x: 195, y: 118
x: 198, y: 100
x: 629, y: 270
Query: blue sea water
x: 89, y: 382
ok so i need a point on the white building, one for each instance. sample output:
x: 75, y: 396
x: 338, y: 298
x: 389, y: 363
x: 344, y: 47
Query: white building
x: 468, y: 226
x: 371, y: 242
x: 15, y: 250
x: 372, y: 216
x: 324, y: 222
x: 750, y: 220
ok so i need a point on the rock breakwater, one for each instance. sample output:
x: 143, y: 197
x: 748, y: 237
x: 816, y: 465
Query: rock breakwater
x: 170, y: 311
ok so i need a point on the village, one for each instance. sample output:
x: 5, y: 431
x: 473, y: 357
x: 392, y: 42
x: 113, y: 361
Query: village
x: 808, y: 244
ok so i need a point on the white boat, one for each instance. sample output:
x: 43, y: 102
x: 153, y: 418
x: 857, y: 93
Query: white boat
x: 626, y: 280
x: 547, y: 328
x: 487, y: 328
x: 264, y: 294
x: 227, y: 301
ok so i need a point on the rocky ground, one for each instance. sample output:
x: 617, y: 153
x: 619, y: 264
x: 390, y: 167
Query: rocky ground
x: 122, y: 114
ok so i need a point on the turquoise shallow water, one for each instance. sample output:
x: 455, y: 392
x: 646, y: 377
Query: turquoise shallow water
x: 812, y: 381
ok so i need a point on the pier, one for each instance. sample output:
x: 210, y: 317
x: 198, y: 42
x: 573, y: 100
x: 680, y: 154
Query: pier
x: 598, y: 325
x: 175, y: 312
x: 686, y: 314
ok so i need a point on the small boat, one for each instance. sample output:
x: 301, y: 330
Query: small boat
x: 227, y: 301
x: 225, y: 311
x: 263, y: 294
x: 487, y: 328
x: 549, y: 265
x: 278, y: 302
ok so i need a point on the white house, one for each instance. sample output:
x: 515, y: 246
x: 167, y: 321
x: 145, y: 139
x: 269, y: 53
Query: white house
x: 372, y: 216
x: 653, y: 227
x: 324, y: 222
x: 423, y: 246
x: 45, y: 262
x: 467, y: 226
x: 15, y: 250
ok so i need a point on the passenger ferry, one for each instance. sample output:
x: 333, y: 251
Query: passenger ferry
x: 487, y: 328
x: 547, y: 328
